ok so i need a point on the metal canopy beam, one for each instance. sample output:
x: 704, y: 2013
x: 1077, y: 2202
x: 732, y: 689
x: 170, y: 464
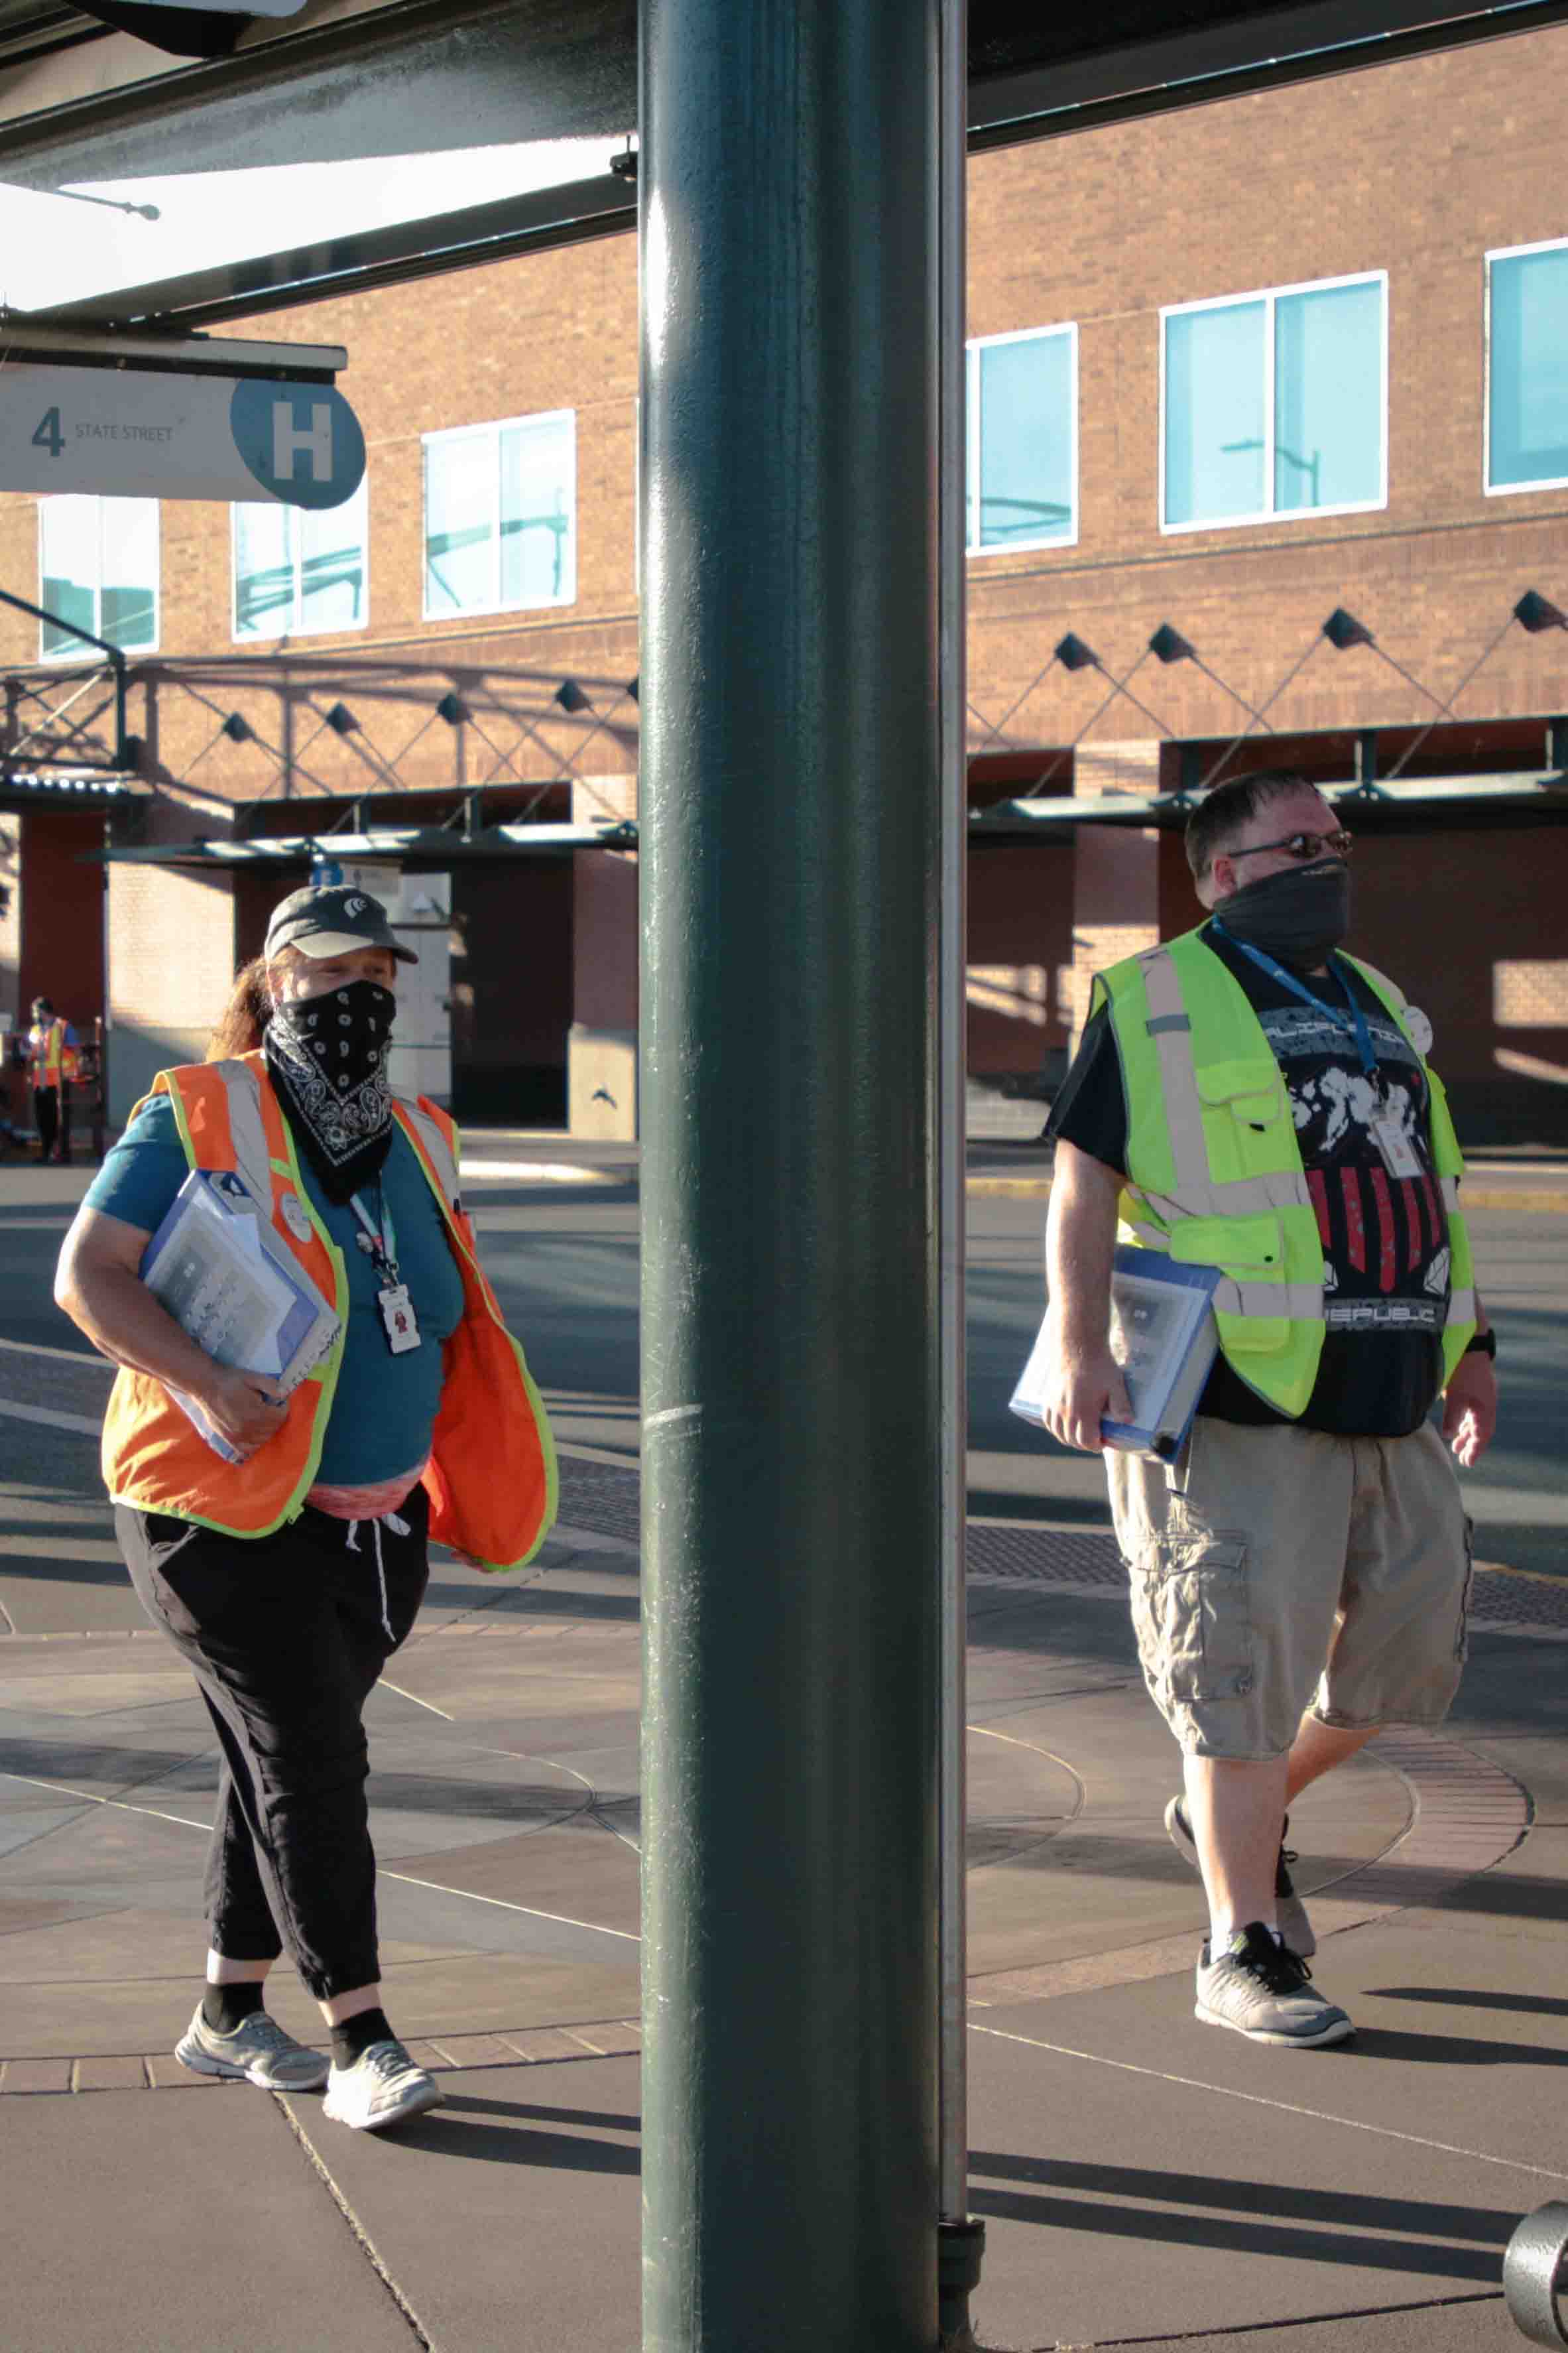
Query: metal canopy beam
x: 495, y: 72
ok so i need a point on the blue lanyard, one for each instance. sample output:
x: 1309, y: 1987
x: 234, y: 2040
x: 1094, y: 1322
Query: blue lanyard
x: 1352, y: 1024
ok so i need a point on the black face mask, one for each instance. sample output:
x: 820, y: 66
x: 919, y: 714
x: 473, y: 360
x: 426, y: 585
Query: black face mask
x: 1297, y: 916
x: 327, y: 1056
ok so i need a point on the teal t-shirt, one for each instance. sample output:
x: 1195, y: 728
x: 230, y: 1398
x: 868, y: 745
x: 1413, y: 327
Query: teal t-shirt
x: 384, y: 1407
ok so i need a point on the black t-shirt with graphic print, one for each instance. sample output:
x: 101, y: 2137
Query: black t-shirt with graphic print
x: 1386, y: 1240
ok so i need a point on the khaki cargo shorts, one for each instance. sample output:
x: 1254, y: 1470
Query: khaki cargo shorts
x: 1278, y: 1568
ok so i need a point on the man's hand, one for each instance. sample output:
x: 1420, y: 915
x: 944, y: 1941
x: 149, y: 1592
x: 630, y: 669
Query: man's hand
x: 1470, y: 1408
x: 246, y: 1407
x: 1083, y: 1385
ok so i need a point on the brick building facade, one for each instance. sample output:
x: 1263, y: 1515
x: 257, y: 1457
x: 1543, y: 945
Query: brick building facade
x: 1396, y: 184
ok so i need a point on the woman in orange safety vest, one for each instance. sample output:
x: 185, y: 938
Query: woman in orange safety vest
x: 284, y: 1552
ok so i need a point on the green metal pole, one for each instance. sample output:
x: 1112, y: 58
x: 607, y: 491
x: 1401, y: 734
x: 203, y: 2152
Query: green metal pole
x: 791, y: 1464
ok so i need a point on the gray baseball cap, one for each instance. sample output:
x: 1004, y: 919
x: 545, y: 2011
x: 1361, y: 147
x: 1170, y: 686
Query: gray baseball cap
x: 332, y: 921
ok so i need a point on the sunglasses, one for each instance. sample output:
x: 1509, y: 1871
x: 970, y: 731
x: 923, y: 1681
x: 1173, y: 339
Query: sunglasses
x: 1303, y: 847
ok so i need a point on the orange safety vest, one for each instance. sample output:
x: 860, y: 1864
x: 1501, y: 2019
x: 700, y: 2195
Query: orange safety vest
x: 53, y: 1058
x: 492, y: 1478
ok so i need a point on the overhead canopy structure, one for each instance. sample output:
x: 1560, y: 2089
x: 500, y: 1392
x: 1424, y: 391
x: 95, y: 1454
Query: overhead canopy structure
x: 104, y: 217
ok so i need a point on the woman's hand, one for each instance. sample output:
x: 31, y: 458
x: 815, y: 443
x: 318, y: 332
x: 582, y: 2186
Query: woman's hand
x: 244, y: 1407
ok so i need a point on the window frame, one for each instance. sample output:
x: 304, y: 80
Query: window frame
x: 1270, y: 296
x: 295, y: 628
x: 77, y: 651
x: 1547, y: 482
x: 973, y: 348
x: 494, y: 429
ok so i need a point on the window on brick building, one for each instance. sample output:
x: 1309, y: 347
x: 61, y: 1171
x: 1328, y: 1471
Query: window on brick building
x: 1023, y: 440
x: 299, y: 571
x: 1527, y: 368
x: 1275, y: 404
x: 501, y: 515
x: 98, y: 568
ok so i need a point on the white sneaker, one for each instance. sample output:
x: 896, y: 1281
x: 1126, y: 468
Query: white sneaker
x: 1265, y: 1991
x: 381, y: 2087
x: 258, y: 2049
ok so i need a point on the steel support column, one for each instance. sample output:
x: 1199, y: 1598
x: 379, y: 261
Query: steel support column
x: 791, y: 818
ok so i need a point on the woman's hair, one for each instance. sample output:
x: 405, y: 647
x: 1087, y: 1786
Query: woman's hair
x: 239, y: 1026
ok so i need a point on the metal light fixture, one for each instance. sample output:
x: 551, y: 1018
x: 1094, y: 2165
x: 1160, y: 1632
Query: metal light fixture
x: 1342, y: 631
x: 633, y: 689
x: 1168, y: 645
x: 1073, y: 654
x: 571, y: 697
x: 341, y: 719
x: 237, y: 728
x: 453, y: 710
x: 1535, y: 612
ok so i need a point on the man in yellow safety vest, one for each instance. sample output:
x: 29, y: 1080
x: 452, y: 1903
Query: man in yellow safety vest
x: 52, y: 1064
x: 1247, y: 1098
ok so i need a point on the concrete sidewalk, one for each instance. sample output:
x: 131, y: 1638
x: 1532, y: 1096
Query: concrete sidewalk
x: 1144, y: 2180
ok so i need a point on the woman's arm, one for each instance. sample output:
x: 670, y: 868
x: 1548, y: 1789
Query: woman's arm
x: 97, y: 1286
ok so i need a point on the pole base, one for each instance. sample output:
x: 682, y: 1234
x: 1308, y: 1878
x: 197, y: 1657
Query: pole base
x: 1532, y: 2270
x: 960, y: 2252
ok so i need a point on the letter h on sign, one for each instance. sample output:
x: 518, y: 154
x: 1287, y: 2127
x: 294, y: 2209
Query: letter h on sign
x: 291, y: 443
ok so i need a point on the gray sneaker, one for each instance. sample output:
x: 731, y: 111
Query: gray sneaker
x: 1291, y: 1912
x: 381, y: 2087
x: 1265, y: 1991
x: 258, y: 2049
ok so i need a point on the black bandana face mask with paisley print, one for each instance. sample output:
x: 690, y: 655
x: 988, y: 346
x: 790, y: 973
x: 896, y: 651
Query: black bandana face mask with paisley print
x: 327, y: 1057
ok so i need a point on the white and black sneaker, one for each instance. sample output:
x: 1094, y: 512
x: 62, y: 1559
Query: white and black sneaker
x: 1289, y: 1910
x: 258, y: 2049
x: 383, y: 2086
x: 1263, y: 1991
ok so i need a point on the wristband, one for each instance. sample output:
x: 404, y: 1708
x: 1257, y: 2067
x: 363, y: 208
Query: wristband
x: 1482, y: 1343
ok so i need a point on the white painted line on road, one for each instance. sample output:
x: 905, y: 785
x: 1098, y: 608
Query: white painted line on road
x: 81, y: 1425
x: 64, y: 1355
x: 530, y: 1910
x: 466, y: 1895
x: 1257, y: 2100
x: 535, y: 1172
x: 417, y: 1700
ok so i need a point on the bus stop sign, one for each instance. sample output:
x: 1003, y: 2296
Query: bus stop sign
x: 137, y: 434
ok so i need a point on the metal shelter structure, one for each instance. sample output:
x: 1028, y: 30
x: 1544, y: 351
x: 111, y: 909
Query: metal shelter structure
x: 799, y: 192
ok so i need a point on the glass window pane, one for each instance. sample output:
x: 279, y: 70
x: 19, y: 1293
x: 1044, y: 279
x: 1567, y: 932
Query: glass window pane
x: 1025, y: 440
x: 1214, y: 413
x: 332, y: 566
x: 67, y: 564
x: 1529, y: 368
x: 129, y: 602
x: 1327, y: 397
x: 263, y: 570
x: 459, y: 530
x: 538, y: 509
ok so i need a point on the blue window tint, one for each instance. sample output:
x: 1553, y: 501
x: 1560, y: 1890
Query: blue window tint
x: 1215, y: 419
x: 500, y: 516
x: 1529, y: 390
x: 98, y: 568
x: 1026, y: 400
x: 1327, y: 397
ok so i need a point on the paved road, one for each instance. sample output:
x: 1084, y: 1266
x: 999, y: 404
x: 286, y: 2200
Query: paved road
x: 564, y: 1258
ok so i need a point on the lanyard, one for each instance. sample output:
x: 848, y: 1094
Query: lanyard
x: 1352, y: 1024
x: 380, y: 1238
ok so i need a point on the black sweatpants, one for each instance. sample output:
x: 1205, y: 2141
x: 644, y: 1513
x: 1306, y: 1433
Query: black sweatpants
x: 286, y: 1636
x: 52, y: 1112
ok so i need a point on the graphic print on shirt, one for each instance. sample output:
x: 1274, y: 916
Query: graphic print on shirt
x: 1385, y: 1245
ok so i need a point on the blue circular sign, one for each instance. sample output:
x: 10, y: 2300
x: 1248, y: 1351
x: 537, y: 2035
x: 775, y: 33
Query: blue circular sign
x: 301, y: 441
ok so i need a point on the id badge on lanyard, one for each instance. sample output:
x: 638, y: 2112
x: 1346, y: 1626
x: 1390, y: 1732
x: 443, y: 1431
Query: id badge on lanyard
x: 1396, y: 1149
x: 378, y: 1239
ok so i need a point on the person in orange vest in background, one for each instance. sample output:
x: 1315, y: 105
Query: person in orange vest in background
x: 287, y: 1569
x: 52, y: 1064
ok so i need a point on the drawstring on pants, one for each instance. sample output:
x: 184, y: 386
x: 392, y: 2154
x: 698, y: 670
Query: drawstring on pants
x: 399, y: 1527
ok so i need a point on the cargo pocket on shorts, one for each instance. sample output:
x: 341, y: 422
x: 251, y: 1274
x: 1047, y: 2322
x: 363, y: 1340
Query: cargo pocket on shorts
x: 1198, y: 1620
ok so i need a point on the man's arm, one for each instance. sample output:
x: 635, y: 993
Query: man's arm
x: 1083, y: 1384
x: 1470, y: 1401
